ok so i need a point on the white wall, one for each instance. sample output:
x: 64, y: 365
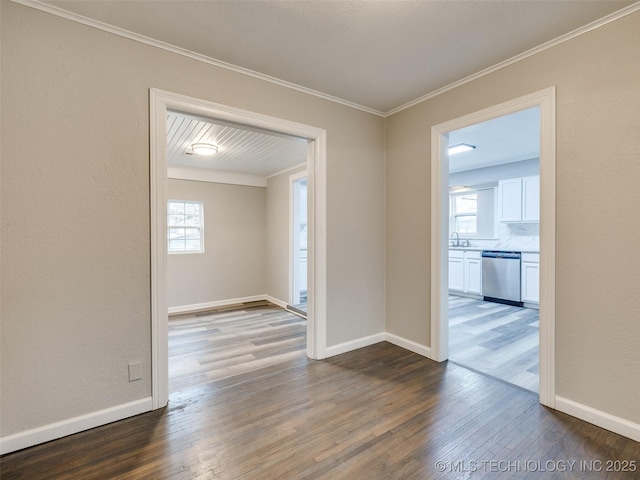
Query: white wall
x: 75, y: 264
x: 524, y: 168
x: 277, y: 258
x: 233, y: 263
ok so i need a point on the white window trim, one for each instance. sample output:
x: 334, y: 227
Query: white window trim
x: 454, y: 215
x: 200, y: 227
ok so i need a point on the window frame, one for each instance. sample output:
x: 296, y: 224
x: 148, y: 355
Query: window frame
x: 200, y: 227
x: 453, y: 215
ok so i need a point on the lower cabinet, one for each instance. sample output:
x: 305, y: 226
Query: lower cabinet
x: 473, y: 272
x: 465, y: 271
x: 456, y: 270
x: 530, y: 277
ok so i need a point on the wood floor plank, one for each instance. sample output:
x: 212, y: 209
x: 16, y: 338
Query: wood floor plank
x: 379, y: 412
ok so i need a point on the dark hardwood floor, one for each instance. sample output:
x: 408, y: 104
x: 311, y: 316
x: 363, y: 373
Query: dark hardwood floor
x: 379, y: 412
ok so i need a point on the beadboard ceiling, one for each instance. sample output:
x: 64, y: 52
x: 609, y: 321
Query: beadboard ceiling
x: 241, y: 149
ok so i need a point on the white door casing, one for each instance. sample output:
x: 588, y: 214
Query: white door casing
x: 160, y: 103
x: 546, y: 100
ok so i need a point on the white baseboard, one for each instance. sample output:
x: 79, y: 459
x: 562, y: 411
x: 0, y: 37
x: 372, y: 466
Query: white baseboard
x: 408, y: 345
x: 46, y: 433
x: 275, y: 301
x: 217, y: 303
x: 354, y: 344
x: 602, y: 419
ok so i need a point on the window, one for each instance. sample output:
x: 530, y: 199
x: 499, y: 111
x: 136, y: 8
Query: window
x: 185, y: 226
x: 464, y: 213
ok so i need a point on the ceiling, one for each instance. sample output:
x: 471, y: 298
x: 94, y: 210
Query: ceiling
x: 510, y: 138
x: 376, y: 55
x: 241, y: 149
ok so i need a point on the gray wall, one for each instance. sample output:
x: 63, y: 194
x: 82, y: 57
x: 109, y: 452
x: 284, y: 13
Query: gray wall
x: 524, y: 168
x: 75, y: 253
x: 598, y: 145
x: 277, y: 261
x: 233, y: 262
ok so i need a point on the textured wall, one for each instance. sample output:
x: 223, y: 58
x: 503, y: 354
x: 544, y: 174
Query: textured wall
x: 75, y: 209
x: 233, y: 262
x: 598, y: 267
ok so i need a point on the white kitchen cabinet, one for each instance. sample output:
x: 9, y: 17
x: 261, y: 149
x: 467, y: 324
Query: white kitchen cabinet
x: 531, y: 199
x: 465, y: 271
x: 530, y: 277
x: 519, y: 199
x: 473, y: 272
x: 510, y: 200
x: 456, y: 270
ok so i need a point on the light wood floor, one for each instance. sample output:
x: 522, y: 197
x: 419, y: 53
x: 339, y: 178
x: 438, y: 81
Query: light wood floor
x: 495, y: 339
x: 227, y: 341
x: 377, y: 413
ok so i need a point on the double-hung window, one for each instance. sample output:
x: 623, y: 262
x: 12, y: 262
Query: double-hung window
x: 185, y: 226
x: 464, y: 213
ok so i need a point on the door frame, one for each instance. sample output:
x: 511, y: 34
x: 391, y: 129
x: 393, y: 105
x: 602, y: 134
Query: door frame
x: 160, y: 103
x: 546, y: 100
x: 292, y: 180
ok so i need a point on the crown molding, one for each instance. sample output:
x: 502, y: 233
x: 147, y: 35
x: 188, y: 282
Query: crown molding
x: 541, y: 48
x: 38, y: 5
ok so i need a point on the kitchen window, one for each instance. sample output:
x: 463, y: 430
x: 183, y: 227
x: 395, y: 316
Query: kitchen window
x: 464, y: 213
x: 472, y: 212
x: 185, y: 226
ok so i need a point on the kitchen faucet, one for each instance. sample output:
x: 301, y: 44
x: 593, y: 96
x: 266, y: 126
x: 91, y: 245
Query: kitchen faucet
x: 457, y: 242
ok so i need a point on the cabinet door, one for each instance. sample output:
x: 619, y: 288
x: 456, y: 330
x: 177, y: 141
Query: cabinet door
x: 530, y: 282
x: 510, y: 200
x: 456, y: 274
x: 531, y: 199
x: 473, y: 275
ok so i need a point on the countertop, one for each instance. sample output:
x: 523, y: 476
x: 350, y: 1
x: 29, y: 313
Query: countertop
x: 479, y: 249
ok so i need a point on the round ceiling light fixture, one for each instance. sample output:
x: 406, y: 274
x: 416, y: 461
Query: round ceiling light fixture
x: 202, y: 149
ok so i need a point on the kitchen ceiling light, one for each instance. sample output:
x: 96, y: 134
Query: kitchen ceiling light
x: 460, y: 147
x: 202, y: 149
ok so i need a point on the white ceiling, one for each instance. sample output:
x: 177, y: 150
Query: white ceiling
x: 241, y: 149
x: 506, y: 139
x: 379, y: 55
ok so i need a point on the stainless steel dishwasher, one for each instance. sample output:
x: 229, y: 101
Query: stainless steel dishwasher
x: 501, y: 277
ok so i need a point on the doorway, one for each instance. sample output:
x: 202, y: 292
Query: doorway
x: 545, y: 100
x: 298, y: 295
x: 494, y: 247
x: 161, y: 103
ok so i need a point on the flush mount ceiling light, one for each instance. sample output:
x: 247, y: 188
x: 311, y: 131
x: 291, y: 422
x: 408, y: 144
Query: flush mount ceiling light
x: 460, y: 147
x: 201, y: 149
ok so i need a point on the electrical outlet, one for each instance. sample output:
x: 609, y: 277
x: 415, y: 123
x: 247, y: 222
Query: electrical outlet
x: 135, y: 371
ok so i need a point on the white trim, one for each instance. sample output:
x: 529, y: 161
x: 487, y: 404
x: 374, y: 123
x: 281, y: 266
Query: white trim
x: 53, y: 431
x: 545, y: 99
x: 299, y: 165
x: 216, y: 303
x: 355, y: 344
x: 215, y: 176
x: 187, y: 53
x: 292, y: 179
x: 599, y: 418
x: 160, y: 102
x: 275, y: 301
x: 408, y: 345
x: 74, y: 17
x: 540, y: 48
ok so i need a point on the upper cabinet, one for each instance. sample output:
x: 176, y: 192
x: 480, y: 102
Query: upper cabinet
x: 519, y: 199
